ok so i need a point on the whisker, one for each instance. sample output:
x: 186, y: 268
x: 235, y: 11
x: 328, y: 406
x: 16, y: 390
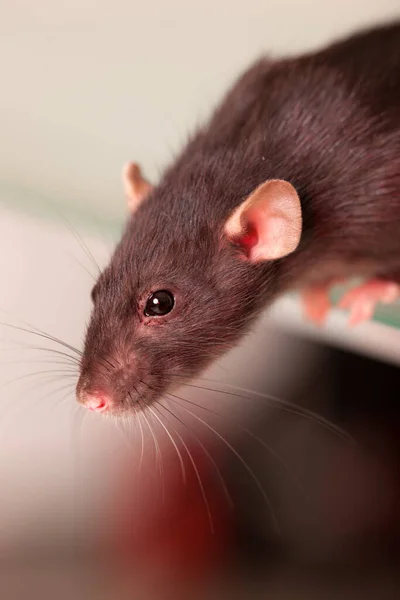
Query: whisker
x: 170, y: 437
x: 23, y: 394
x: 201, y: 486
x: 43, y: 335
x: 121, y: 429
x: 206, y: 452
x: 283, y: 405
x: 21, y: 346
x: 22, y: 406
x: 77, y: 421
x: 122, y: 424
x: 33, y: 329
x: 156, y: 445
x: 248, y: 432
x: 92, y: 277
x: 42, y: 361
x: 78, y: 417
x: 236, y: 453
x: 158, y: 454
x: 81, y: 242
x: 58, y: 402
x: 137, y: 416
x: 46, y: 381
x: 50, y: 373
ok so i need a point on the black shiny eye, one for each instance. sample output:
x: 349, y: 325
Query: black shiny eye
x: 159, y: 304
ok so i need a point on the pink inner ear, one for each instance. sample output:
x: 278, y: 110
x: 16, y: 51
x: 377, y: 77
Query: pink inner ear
x: 247, y: 240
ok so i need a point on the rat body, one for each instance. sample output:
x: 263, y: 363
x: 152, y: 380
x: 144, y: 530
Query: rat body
x: 293, y: 183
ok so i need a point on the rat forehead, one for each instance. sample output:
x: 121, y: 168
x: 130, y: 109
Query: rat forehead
x: 136, y: 267
x: 154, y: 239
x: 181, y: 204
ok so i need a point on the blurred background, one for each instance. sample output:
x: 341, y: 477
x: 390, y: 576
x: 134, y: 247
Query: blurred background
x: 87, y: 508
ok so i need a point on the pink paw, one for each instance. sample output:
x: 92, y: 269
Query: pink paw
x: 363, y: 299
x: 316, y: 303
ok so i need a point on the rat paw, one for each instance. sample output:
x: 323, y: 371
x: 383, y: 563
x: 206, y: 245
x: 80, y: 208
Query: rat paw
x: 316, y: 303
x: 362, y: 300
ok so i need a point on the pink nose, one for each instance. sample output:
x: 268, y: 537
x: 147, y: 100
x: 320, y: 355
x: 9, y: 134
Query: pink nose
x: 97, y: 403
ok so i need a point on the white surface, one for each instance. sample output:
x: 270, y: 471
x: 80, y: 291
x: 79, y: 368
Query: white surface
x: 371, y: 339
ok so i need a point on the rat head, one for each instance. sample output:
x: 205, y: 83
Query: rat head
x: 180, y: 289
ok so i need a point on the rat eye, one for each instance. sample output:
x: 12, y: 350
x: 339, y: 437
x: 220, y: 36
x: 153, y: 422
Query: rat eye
x: 159, y: 304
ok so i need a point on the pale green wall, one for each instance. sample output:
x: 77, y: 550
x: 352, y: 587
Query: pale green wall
x: 86, y: 85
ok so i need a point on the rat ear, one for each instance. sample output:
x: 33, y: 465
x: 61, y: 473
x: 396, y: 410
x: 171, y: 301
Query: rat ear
x: 268, y: 223
x: 135, y: 185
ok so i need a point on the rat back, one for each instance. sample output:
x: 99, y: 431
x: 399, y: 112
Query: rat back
x: 328, y: 122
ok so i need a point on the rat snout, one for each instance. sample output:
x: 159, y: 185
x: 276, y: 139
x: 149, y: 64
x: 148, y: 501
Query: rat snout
x: 95, y: 402
x: 106, y: 383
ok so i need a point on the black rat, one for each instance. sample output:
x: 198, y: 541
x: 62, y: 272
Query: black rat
x: 294, y: 183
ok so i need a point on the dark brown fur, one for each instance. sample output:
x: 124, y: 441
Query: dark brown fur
x: 328, y: 122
